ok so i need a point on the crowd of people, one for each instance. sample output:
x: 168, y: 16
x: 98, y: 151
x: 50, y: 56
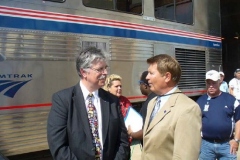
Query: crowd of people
x: 86, y: 121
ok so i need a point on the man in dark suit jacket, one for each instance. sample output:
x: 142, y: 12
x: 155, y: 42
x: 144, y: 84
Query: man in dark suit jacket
x: 68, y: 130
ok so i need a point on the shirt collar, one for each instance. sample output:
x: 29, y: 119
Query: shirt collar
x: 168, y: 94
x: 86, y: 92
x: 171, y: 91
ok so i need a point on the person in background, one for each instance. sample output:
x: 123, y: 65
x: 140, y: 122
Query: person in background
x: 85, y: 122
x: 234, y: 85
x: 224, y: 85
x: 220, y: 117
x: 145, y: 90
x: 113, y: 84
x: 172, y: 129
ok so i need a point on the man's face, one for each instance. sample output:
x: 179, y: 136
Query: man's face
x: 213, y: 87
x: 221, y: 78
x: 143, y: 88
x: 157, y: 82
x: 237, y: 75
x: 95, y: 76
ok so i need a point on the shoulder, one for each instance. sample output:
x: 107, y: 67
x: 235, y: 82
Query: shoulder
x: 227, y: 96
x: 232, y: 81
x: 106, y: 96
x: 186, y: 105
x: 64, y: 92
x: 124, y: 99
x: 201, y: 98
x: 185, y: 99
x: 225, y: 83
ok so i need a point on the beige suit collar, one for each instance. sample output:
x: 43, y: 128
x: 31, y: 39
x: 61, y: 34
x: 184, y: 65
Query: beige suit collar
x: 165, y: 109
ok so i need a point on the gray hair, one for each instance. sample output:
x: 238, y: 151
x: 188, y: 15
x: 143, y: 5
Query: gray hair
x: 87, y: 57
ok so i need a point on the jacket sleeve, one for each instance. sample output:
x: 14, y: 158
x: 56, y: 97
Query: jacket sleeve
x: 57, y: 130
x: 123, y: 152
x: 187, y: 135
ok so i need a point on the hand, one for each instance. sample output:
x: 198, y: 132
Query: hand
x: 233, y: 146
x: 129, y: 130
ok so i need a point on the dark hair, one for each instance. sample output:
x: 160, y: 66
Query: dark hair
x: 143, y: 77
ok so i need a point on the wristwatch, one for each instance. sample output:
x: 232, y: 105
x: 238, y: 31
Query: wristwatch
x: 236, y: 140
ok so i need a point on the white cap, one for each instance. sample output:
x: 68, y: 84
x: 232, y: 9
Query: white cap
x: 221, y: 73
x: 213, y: 75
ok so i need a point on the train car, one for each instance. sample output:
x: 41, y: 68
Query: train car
x: 39, y: 41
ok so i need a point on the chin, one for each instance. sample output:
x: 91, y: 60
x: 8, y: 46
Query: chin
x: 152, y: 89
x: 101, y: 83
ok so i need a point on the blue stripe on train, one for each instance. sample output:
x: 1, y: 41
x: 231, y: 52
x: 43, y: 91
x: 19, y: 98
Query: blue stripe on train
x: 46, y: 25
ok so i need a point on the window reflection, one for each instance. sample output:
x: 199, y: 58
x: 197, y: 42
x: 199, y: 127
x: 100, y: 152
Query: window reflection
x: 129, y: 6
x: 174, y: 10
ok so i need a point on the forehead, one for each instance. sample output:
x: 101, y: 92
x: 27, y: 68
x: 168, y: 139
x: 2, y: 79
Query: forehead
x: 152, y: 67
x: 116, y: 82
x: 211, y: 81
x: 99, y: 63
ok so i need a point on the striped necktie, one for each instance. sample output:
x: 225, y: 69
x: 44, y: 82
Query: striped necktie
x: 155, y: 109
x: 93, y: 121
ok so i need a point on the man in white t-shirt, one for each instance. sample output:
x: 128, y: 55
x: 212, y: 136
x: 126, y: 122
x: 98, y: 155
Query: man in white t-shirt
x: 234, y: 85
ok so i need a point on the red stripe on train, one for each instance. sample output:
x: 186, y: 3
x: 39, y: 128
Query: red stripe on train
x: 49, y: 104
x: 26, y: 106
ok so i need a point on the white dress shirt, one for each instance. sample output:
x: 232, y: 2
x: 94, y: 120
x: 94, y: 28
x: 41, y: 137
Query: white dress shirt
x: 97, y: 104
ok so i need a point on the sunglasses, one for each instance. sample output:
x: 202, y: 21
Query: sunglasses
x: 141, y: 82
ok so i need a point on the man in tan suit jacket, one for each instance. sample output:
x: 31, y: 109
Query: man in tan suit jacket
x: 172, y: 130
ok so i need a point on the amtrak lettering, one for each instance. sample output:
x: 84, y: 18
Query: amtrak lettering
x: 15, y: 75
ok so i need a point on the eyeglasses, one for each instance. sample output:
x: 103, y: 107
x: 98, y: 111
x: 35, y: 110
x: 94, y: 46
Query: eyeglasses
x: 141, y: 82
x: 100, y: 70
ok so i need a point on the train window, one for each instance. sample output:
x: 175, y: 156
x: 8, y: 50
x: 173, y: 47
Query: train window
x: 128, y: 6
x: 59, y: 1
x: 2, y: 57
x: 180, y: 11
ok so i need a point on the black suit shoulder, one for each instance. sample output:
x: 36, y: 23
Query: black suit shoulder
x: 106, y: 96
x: 65, y: 92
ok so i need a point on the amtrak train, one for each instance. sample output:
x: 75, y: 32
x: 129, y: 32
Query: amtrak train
x: 40, y: 39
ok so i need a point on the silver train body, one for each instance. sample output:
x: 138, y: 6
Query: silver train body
x: 39, y: 41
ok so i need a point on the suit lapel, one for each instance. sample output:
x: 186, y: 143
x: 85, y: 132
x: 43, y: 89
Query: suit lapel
x: 105, y: 114
x: 149, y: 111
x: 79, y: 105
x: 164, y: 110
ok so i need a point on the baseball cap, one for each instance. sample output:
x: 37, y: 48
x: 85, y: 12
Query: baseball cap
x: 143, y: 77
x: 237, y: 70
x: 213, y: 75
x: 221, y: 73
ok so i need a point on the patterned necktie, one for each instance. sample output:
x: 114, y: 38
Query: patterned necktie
x: 156, y: 108
x: 93, y: 121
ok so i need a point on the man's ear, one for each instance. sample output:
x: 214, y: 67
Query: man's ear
x: 145, y: 86
x: 83, y: 73
x: 168, y: 76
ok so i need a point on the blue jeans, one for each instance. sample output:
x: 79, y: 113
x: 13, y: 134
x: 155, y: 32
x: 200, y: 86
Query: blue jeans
x: 213, y: 151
